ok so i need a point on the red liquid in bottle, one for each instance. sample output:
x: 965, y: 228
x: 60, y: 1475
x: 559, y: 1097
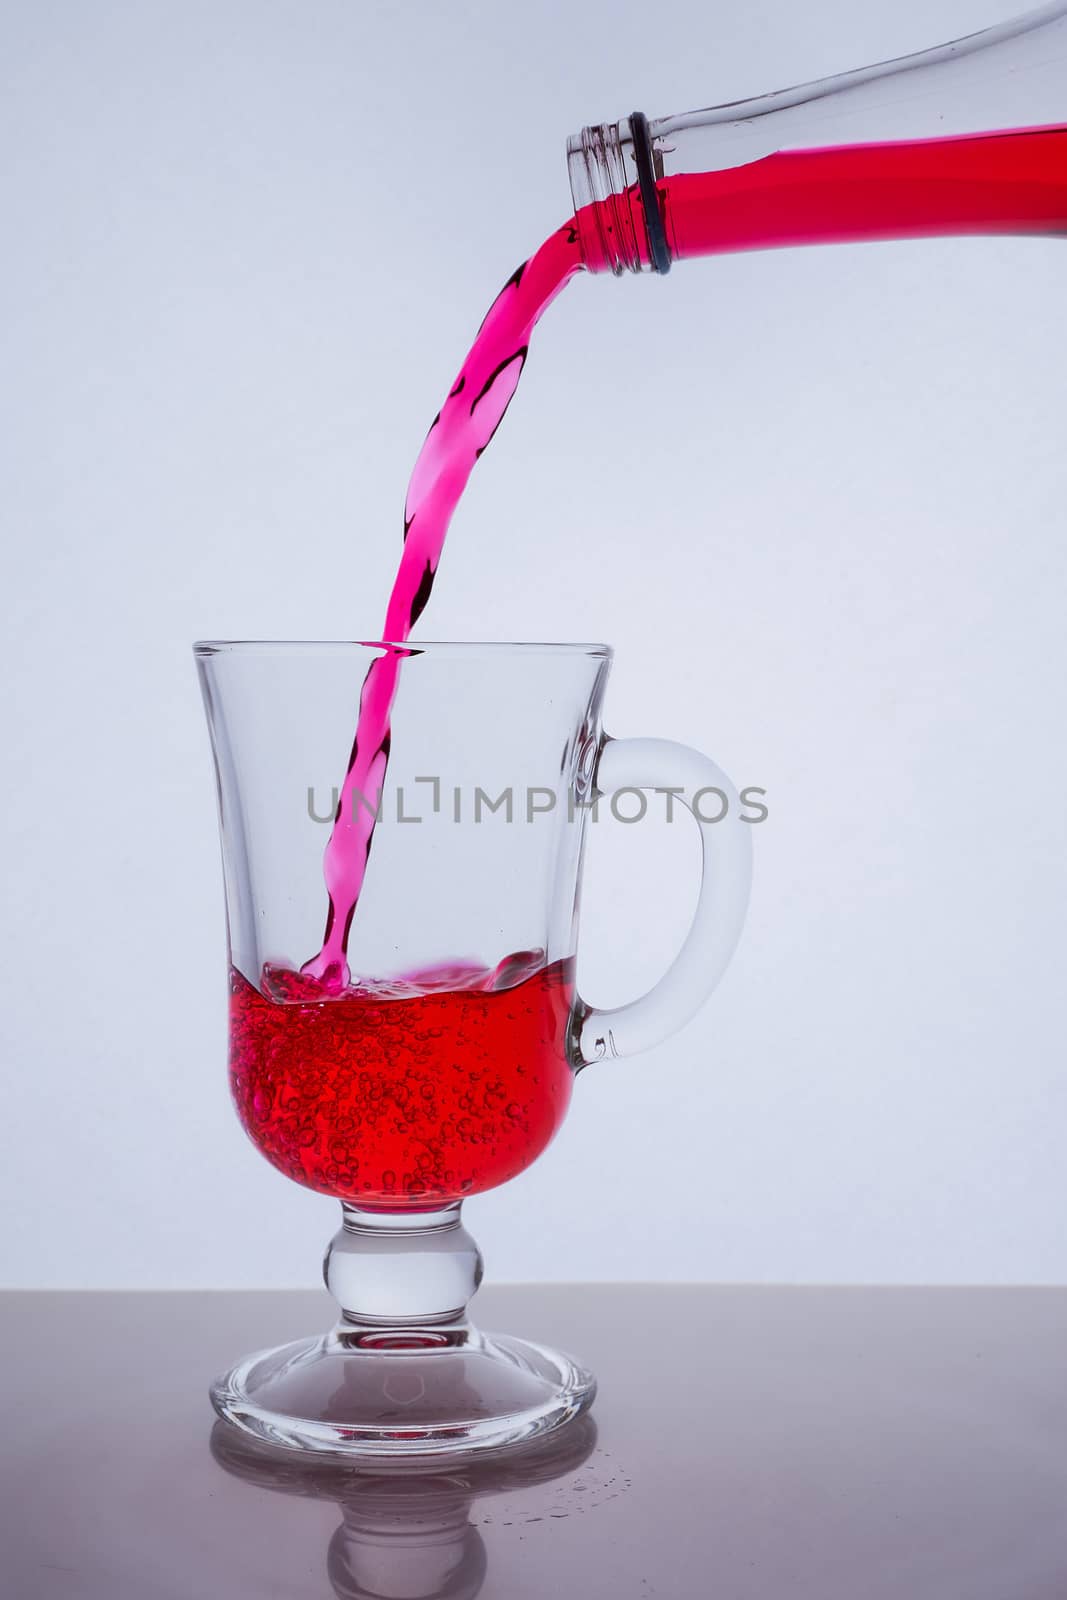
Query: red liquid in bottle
x: 402, y: 1102
x: 988, y: 183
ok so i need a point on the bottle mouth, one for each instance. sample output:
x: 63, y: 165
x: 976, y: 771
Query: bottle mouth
x: 612, y: 173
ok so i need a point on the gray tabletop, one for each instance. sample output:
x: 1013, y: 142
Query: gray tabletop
x: 745, y: 1442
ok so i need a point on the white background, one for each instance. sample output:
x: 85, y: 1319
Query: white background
x: 815, y: 499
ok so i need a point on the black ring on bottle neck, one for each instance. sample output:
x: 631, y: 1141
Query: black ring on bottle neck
x: 658, y: 249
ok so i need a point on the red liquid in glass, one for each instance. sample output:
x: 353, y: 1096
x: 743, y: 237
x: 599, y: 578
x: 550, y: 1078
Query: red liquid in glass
x: 402, y: 1102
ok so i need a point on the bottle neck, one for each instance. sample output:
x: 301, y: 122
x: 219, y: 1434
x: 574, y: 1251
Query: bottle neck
x: 614, y: 169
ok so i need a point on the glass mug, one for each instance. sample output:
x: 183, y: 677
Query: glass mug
x: 442, y: 1063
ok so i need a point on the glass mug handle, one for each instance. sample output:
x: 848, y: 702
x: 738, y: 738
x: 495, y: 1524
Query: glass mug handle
x: 726, y: 872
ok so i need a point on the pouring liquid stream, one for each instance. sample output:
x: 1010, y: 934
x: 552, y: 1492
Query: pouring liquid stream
x: 1011, y: 182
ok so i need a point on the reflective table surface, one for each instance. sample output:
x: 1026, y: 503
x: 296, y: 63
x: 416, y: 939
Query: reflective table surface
x: 746, y: 1442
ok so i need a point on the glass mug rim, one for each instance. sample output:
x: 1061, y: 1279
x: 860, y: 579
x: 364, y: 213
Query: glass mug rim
x: 443, y: 648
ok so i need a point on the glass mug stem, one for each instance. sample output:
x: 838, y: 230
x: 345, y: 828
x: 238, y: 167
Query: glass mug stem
x: 402, y: 1268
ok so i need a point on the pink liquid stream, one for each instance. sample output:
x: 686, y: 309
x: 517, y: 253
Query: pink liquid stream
x: 1013, y: 181
x: 458, y: 434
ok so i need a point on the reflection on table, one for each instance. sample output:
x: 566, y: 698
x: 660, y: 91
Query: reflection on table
x: 406, y: 1533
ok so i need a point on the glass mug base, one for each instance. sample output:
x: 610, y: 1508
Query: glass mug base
x: 403, y: 1393
x: 404, y: 1374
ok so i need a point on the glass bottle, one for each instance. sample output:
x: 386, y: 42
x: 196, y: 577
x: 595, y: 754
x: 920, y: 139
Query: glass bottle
x: 968, y: 137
